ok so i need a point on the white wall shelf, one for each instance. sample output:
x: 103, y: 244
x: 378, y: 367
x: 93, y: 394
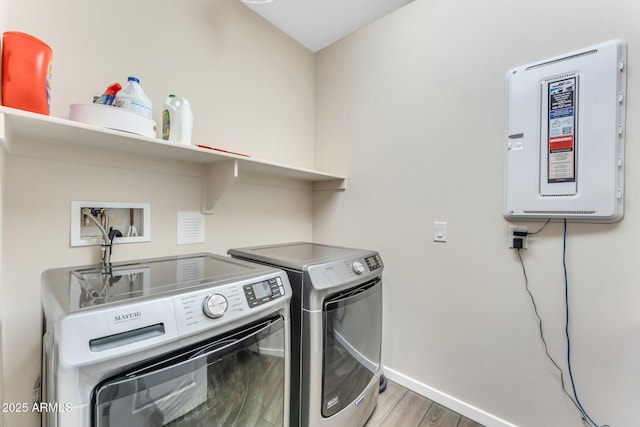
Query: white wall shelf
x: 223, y: 168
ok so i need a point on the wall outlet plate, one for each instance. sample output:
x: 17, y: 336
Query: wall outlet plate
x: 512, y: 236
x: 85, y: 233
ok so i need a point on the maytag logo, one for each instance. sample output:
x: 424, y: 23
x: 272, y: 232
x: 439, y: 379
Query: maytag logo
x: 126, y: 317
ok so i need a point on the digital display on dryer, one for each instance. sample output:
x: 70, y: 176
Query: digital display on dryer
x: 373, y: 262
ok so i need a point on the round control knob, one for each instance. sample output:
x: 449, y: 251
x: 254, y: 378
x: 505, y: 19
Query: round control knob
x: 358, y: 268
x: 214, y: 306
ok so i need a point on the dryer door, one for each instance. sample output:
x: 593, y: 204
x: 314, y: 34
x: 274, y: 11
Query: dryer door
x: 226, y: 381
x: 352, y: 323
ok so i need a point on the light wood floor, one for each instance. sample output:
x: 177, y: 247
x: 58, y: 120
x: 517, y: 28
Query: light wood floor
x: 398, y: 406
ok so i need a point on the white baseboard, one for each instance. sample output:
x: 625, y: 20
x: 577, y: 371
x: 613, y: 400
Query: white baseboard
x: 447, y: 401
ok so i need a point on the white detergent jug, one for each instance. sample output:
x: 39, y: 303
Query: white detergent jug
x: 177, y: 120
x: 133, y: 98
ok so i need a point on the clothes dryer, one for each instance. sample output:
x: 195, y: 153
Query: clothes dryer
x: 336, y: 313
x: 189, y: 340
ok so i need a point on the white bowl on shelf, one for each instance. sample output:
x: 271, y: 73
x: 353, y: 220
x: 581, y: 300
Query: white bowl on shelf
x: 113, y: 118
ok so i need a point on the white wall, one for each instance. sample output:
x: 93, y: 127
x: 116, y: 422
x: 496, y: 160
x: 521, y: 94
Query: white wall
x: 252, y: 91
x: 411, y: 109
x: 3, y: 23
x: 2, y: 204
x: 249, y: 85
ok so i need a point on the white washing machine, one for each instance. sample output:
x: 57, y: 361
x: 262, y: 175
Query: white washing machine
x: 179, y: 341
x: 336, y: 320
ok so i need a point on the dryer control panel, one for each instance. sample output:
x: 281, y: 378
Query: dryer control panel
x: 336, y: 273
x: 373, y: 262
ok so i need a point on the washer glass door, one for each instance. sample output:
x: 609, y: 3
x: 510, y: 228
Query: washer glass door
x: 352, y: 323
x: 226, y: 381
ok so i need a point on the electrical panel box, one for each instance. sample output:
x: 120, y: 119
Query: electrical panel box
x: 564, y: 148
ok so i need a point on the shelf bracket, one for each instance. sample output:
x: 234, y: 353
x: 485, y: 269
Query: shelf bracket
x: 331, y: 185
x: 220, y: 175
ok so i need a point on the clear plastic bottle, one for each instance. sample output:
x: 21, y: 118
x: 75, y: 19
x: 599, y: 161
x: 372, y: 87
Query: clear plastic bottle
x: 177, y: 120
x: 133, y: 98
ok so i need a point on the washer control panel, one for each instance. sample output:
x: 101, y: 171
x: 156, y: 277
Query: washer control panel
x: 263, y: 292
x: 218, y: 305
x: 215, y: 305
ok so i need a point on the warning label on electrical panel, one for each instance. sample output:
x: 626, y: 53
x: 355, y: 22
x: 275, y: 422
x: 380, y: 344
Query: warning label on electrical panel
x: 562, y: 131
